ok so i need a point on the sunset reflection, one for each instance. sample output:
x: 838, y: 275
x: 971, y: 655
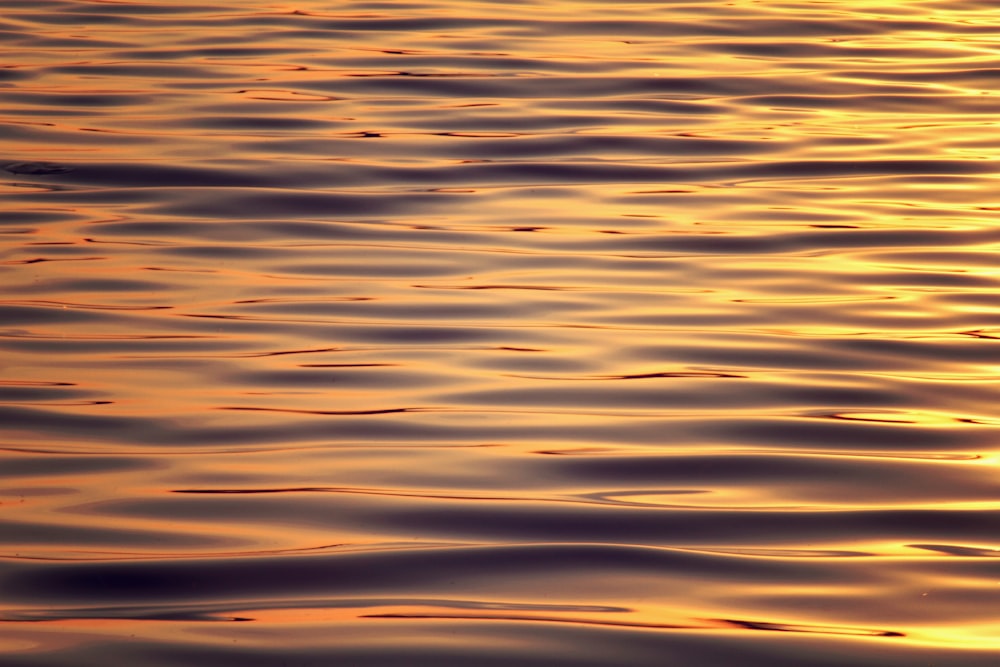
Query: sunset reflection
x: 545, y: 333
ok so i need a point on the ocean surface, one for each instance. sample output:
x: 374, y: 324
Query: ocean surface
x: 477, y: 333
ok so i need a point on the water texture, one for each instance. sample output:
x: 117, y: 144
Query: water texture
x: 530, y: 333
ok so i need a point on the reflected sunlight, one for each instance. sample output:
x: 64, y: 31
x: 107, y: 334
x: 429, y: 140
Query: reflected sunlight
x: 472, y: 331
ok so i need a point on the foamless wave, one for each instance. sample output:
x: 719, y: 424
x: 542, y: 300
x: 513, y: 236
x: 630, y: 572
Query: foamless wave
x: 468, y: 333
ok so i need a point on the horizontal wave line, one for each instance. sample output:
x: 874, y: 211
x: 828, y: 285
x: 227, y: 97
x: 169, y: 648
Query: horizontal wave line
x: 711, y: 624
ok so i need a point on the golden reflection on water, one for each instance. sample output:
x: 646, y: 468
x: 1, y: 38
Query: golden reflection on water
x: 550, y: 332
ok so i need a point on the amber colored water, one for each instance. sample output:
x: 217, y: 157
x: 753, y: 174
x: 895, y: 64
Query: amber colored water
x: 477, y: 333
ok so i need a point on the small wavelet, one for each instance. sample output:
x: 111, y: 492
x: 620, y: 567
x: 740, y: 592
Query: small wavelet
x: 463, y: 332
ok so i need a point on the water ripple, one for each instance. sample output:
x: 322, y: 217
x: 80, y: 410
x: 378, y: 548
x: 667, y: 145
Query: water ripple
x: 465, y: 333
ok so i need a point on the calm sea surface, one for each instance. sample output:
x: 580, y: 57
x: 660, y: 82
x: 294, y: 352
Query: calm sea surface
x: 478, y: 333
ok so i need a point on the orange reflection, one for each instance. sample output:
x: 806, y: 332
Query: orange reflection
x: 394, y: 322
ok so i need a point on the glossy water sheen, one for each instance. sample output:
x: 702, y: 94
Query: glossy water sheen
x: 500, y: 333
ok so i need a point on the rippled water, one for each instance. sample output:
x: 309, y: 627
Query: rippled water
x: 500, y: 333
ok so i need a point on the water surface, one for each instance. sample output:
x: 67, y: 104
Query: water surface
x: 499, y: 333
